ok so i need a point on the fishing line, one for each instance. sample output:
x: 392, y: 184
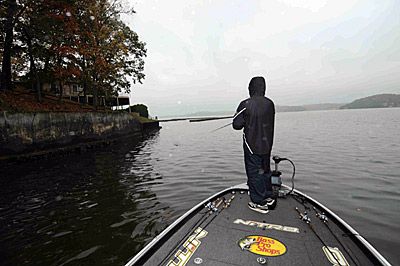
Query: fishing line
x: 307, y: 220
x: 324, y: 219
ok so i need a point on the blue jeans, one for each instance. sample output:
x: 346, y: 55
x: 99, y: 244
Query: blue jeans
x: 258, y: 177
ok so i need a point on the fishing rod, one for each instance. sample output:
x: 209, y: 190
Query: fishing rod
x: 221, y: 127
x: 202, y: 119
x: 324, y: 219
x: 300, y: 199
x: 212, y: 208
x: 238, y: 113
x: 215, y: 210
x: 307, y: 220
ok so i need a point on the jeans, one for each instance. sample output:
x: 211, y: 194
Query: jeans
x: 258, y: 177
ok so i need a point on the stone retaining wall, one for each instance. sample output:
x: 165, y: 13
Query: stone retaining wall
x: 30, y: 132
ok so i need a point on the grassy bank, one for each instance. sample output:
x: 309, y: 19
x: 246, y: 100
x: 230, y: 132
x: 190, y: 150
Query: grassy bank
x: 23, y: 100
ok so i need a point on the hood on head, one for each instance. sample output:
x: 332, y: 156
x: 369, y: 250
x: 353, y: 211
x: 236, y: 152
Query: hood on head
x: 257, y: 86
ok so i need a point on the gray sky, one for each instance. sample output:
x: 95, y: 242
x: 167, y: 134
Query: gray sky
x: 203, y: 53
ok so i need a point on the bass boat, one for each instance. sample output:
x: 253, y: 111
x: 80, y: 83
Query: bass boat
x: 223, y: 231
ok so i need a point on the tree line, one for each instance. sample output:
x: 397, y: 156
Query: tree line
x: 374, y: 101
x: 80, y: 41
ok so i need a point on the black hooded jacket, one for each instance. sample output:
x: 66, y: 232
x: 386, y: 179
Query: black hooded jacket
x: 256, y: 115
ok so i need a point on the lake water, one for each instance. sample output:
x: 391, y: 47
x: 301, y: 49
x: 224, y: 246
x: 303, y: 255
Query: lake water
x: 102, y: 206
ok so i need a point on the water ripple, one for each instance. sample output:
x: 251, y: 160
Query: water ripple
x: 102, y: 207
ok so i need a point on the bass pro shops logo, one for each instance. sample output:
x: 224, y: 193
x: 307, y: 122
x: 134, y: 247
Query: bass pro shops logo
x: 262, y: 245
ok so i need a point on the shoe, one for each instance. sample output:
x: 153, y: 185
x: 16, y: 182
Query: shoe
x: 258, y: 208
x: 270, y: 201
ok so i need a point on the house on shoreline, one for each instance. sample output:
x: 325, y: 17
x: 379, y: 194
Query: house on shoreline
x: 74, y: 92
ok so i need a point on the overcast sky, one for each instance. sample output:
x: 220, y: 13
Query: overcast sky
x: 201, y: 54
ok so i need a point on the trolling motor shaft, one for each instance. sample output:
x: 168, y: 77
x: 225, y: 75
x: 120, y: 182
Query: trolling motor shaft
x: 276, y: 179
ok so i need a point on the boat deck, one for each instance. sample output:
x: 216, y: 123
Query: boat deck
x: 237, y: 235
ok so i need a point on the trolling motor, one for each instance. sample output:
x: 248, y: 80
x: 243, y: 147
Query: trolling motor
x: 276, y: 179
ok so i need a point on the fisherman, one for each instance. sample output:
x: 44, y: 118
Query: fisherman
x: 256, y: 116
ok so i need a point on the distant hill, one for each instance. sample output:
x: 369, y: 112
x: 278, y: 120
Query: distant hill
x: 309, y: 107
x: 278, y: 108
x: 323, y: 106
x: 375, y: 101
x: 281, y: 108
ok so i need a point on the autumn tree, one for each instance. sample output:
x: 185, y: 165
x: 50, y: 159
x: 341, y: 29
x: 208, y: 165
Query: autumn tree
x: 114, y: 52
x: 21, y: 42
x: 8, y: 10
x: 11, y: 12
x: 82, y: 41
x: 62, y: 30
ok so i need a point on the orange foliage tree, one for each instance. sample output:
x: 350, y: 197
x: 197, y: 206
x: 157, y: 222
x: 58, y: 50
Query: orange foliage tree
x: 82, y: 41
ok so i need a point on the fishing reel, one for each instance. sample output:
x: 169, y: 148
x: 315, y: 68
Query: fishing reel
x: 305, y: 218
x: 211, y: 206
x: 322, y: 217
x: 276, y: 179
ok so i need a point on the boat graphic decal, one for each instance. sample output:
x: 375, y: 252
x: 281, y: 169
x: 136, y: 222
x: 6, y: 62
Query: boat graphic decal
x: 246, y: 242
x: 262, y: 245
x: 338, y: 260
x: 268, y: 226
x: 189, y: 247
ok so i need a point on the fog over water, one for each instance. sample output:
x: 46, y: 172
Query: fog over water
x: 202, y: 54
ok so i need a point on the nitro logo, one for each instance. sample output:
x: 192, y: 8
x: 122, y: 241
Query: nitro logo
x: 268, y: 226
x: 192, y: 243
x: 262, y: 245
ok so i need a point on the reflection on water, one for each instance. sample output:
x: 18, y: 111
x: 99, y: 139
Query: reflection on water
x: 101, y: 207
x: 94, y: 208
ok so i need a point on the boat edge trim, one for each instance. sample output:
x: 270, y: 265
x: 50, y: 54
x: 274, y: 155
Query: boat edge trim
x: 371, y: 248
x: 170, y: 227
